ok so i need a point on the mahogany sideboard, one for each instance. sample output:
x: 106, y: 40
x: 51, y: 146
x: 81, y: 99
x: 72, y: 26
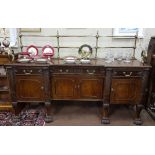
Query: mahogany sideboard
x: 110, y: 83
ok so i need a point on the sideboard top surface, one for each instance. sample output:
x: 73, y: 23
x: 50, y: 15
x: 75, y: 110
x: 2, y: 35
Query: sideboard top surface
x: 93, y: 63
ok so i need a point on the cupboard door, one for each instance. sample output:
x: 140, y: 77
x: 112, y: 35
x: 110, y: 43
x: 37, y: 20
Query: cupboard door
x: 29, y: 88
x: 90, y: 88
x: 63, y: 87
x: 125, y: 91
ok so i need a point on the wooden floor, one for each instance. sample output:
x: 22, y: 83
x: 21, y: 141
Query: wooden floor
x: 89, y: 113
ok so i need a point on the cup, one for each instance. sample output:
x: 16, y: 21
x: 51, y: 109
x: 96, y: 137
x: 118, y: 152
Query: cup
x: 109, y: 57
x: 128, y: 57
x: 119, y: 56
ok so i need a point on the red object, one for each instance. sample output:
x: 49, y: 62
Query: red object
x: 29, y: 50
x: 48, y: 53
x: 25, y: 53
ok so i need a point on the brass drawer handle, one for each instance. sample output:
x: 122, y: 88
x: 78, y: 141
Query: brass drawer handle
x: 67, y: 70
x: 127, y: 75
x: 40, y: 71
x: 93, y: 71
x: 27, y: 72
x: 60, y: 70
x: 77, y: 86
x: 42, y: 88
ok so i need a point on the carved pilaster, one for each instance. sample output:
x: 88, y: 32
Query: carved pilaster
x: 12, y: 83
x: 46, y: 83
x: 106, y: 98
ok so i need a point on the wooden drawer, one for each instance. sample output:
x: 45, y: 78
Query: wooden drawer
x: 93, y: 70
x: 128, y: 73
x: 83, y: 70
x: 3, y: 82
x: 28, y: 71
x: 61, y: 70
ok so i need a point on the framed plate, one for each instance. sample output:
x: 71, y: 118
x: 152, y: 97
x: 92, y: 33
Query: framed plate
x: 32, y: 50
x: 85, y: 51
x: 47, y: 50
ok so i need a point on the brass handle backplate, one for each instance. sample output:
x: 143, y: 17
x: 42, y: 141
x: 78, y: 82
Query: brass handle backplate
x: 27, y: 72
x: 90, y: 72
x: 127, y: 75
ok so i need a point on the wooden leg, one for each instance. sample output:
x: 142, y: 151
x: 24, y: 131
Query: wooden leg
x: 49, y: 117
x: 138, y: 120
x: 16, y: 111
x: 105, y: 117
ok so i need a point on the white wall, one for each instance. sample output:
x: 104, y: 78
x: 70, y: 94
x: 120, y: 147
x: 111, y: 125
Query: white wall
x: 103, y: 41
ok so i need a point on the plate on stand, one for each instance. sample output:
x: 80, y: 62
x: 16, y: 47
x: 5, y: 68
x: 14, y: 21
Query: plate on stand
x: 47, y: 51
x: 32, y: 50
x: 85, y: 51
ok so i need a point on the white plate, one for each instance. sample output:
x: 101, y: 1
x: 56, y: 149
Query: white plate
x: 85, y: 61
x: 70, y: 59
x: 127, y: 61
x: 41, y: 60
x: 24, y: 60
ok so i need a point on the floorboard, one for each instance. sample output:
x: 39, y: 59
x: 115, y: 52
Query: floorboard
x: 89, y: 114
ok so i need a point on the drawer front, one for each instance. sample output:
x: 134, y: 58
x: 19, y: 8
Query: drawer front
x: 28, y: 71
x: 128, y: 73
x: 83, y: 70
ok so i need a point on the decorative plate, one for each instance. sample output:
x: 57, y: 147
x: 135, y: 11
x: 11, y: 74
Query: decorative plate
x: 85, y: 51
x: 47, y: 50
x: 32, y: 50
